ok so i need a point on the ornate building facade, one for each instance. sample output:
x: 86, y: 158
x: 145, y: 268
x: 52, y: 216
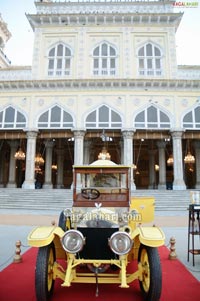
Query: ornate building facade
x: 104, y: 74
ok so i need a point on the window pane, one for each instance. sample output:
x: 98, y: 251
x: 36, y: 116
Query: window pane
x: 188, y: 117
x: 103, y: 114
x: 96, y: 63
x: 67, y: 117
x: 197, y: 114
x: 157, y: 51
x: 140, y: 117
x: 9, y: 125
x: 115, y: 117
x: 141, y: 63
x: 112, y: 63
x: 52, y: 52
x: 157, y: 63
x: 51, y: 64
x: 55, y: 125
x: 42, y: 125
x: 10, y: 115
x: 112, y: 51
x: 91, y: 117
x: 96, y: 51
x: 20, y: 125
x: 91, y: 125
x: 67, y: 64
x: 165, y: 125
x: 1, y: 116
x: 152, y: 114
x: 67, y: 52
x: 44, y: 117
x: 104, y: 50
x: 139, y: 125
x: 163, y: 117
x: 104, y: 63
x: 104, y: 125
x: 20, y: 117
x: 149, y: 63
x: 59, y: 63
x: 141, y: 52
x: 55, y: 114
x: 149, y: 50
x: 152, y: 125
x: 60, y: 50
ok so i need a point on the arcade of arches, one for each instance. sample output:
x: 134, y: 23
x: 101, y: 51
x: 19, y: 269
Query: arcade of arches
x: 146, y: 151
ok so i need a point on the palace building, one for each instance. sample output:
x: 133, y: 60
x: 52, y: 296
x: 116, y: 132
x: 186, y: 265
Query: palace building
x: 104, y: 81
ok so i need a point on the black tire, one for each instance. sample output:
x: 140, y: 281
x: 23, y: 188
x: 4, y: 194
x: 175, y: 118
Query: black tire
x: 151, y: 284
x: 62, y: 223
x: 44, y: 282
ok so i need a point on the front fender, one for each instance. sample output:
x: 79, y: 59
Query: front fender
x: 150, y: 236
x: 43, y: 236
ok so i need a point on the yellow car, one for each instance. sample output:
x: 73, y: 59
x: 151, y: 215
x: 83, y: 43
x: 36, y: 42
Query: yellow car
x: 103, y: 232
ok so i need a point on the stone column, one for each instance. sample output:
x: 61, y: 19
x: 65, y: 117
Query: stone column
x: 162, y: 164
x: 48, y: 163
x: 78, y: 151
x: 128, y: 152
x: 197, y: 160
x: 29, y: 182
x: 178, y: 183
x: 152, y: 172
x: 12, y: 165
x: 78, y: 146
x: 60, y: 159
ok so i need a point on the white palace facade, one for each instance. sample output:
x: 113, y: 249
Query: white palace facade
x: 104, y: 74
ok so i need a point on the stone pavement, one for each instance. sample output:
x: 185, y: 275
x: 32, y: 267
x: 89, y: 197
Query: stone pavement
x: 16, y: 224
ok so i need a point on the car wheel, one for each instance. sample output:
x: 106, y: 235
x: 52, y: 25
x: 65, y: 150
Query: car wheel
x: 151, y: 283
x: 44, y: 282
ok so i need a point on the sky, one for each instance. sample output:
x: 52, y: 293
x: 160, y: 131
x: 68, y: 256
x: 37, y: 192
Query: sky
x: 19, y: 48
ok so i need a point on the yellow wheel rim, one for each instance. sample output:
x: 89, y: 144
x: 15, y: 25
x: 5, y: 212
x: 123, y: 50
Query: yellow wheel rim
x: 146, y: 270
x: 50, y: 269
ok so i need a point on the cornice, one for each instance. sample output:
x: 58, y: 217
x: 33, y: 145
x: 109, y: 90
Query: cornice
x: 106, y: 19
x: 101, y: 85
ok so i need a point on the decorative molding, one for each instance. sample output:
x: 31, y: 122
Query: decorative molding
x: 103, y: 6
x: 101, y: 84
x: 104, y: 18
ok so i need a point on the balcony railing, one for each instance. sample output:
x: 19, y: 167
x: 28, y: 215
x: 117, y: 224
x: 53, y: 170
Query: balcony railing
x: 12, y: 74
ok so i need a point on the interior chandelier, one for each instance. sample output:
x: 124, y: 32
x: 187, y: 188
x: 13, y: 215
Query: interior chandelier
x: 189, y: 158
x: 104, y: 155
x: 39, y: 160
x: 170, y: 160
x: 20, y: 155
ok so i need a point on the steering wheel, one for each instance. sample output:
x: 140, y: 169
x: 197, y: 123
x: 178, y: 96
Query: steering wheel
x: 90, y: 193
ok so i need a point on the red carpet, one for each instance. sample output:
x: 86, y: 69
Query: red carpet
x: 17, y: 284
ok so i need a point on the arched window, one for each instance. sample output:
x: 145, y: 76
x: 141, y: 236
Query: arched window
x: 103, y: 117
x: 149, y: 60
x: 55, y: 118
x: 59, y: 61
x: 104, y: 60
x: 192, y: 119
x: 152, y: 118
x: 10, y: 118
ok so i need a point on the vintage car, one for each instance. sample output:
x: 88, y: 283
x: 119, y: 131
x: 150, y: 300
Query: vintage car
x: 102, y: 237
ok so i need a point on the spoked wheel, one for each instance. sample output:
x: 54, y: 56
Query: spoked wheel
x: 44, y: 282
x: 151, y: 283
x: 90, y: 193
